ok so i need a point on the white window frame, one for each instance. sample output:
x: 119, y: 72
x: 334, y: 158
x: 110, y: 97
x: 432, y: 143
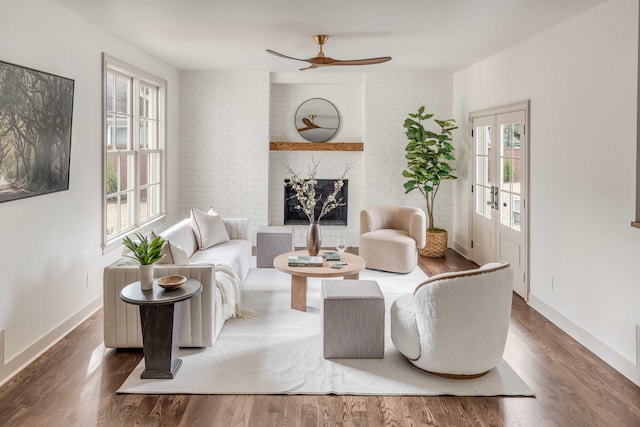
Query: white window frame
x: 137, y: 76
x: 636, y: 222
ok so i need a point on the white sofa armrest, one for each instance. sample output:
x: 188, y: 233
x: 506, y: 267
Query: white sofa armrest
x: 122, y: 321
x: 238, y: 228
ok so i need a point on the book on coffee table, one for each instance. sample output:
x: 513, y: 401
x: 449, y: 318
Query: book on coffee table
x: 331, y: 256
x: 305, y: 261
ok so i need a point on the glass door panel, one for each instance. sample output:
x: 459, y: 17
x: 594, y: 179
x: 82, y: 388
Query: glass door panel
x: 483, y: 202
x: 510, y: 170
x: 483, y: 171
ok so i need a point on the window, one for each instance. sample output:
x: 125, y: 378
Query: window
x: 134, y: 150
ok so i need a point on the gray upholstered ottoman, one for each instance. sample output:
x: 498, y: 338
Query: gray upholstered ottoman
x: 352, y: 319
x: 272, y: 241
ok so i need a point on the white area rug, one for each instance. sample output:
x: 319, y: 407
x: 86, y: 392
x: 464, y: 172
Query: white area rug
x: 280, y: 352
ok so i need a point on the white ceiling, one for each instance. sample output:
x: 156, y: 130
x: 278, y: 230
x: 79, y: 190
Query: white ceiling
x: 420, y: 35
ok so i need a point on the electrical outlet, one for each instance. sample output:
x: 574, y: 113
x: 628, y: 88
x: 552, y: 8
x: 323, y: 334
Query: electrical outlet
x: 551, y: 286
x: 87, y: 282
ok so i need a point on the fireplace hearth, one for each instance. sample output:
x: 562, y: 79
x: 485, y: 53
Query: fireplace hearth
x: 324, y: 187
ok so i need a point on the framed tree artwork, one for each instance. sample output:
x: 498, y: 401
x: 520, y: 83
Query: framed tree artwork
x: 36, y: 110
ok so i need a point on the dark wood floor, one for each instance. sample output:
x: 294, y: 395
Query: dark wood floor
x: 74, y: 384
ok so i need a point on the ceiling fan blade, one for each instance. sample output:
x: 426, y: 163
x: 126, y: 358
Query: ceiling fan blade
x: 367, y: 61
x: 321, y: 60
x: 324, y: 61
x: 284, y: 56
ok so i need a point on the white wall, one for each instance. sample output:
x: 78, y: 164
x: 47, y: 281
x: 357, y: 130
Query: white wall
x: 389, y: 98
x: 581, y: 78
x: 343, y: 91
x: 224, y: 134
x: 228, y: 118
x: 50, y: 243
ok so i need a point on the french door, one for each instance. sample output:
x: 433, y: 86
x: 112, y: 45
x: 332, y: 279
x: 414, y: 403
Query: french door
x: 499, y: 190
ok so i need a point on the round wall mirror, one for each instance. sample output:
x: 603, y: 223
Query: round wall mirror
x: 317, y: 120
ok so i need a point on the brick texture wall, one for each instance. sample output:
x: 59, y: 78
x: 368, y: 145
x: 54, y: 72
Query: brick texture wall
x: 285, y: 100
x: 224, y: 143
x: 388, y: 98
x: 228, y: 118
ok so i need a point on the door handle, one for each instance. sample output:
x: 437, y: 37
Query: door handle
x: 491, y: 203
x: 494, y: 197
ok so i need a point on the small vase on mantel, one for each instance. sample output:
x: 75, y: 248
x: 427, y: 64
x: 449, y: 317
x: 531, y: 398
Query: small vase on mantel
x: 314, y: 239
x: 146, y: 277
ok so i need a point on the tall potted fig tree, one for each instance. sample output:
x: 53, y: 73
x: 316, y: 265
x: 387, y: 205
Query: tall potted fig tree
x: 428, y: 154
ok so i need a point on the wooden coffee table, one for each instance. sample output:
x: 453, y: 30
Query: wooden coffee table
x: 299, y: 275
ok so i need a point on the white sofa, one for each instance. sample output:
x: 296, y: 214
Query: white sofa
x: 202, y: 316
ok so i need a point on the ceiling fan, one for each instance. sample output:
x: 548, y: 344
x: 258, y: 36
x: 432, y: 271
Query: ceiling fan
x: 324, y: 61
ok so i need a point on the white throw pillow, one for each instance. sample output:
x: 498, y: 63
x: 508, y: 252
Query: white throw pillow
x: 166, y: 254
x: 208, y: 228
x: 173, y: 254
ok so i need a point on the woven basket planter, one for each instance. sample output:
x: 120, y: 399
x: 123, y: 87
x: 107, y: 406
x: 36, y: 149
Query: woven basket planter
x: 436, y: 245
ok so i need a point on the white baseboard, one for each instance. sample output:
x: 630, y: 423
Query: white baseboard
x: 460, y: 249
x: 600, y: 349
x: 9, y: 368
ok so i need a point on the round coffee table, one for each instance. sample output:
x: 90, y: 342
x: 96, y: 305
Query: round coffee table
x: 299, y: 275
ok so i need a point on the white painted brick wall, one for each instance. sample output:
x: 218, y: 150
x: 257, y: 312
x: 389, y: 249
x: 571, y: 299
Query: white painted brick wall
x: 228, y: 118
x: 224, y: 143
x: 285, y: 100
x: 388, y: 98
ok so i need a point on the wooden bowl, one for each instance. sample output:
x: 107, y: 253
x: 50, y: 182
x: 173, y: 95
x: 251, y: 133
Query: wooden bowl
x: 171, y: 282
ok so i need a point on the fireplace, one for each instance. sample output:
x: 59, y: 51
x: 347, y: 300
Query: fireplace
x: 324, y: 187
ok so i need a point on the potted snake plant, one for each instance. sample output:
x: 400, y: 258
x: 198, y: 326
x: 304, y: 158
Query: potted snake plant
x: 146, y: 253
x: 428, y: 154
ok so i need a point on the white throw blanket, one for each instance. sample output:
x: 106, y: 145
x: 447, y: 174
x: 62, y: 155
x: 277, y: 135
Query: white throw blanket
x: 228, y: 282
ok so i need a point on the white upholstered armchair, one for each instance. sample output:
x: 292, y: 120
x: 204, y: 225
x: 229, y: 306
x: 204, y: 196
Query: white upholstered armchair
x: 455, y: 324
x: 390, y: 237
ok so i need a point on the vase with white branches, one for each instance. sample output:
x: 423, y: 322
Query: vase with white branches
x: 305, y: 189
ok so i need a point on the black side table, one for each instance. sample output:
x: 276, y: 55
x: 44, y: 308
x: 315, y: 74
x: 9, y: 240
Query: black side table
x: 160, y: 318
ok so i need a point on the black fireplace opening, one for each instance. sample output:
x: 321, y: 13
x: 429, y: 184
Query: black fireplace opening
x: 324, y: 188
